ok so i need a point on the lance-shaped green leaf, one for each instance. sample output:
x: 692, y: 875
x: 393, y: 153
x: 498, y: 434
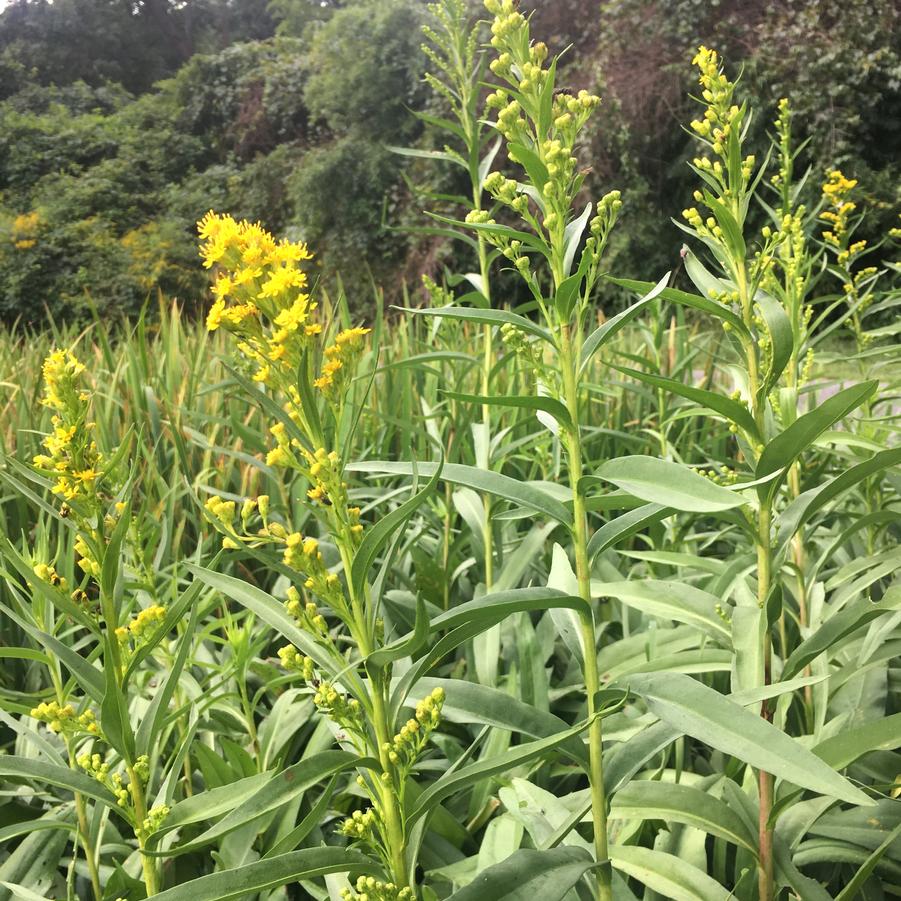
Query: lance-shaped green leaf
x: 278, y: 791
x: 708, y: 716
x: 846, y: 621
x: 268, y: 609
x: 626, y: 526
x: 806, y: 505
x: 779, y: 329
x: 667, y: 874
x: 787, y: 446
x: 670, y: 600
x: 529, y: 402
x: 604, y: 332
x: 114, y: 720
x: 212, y: 803
x: 529, y: 875
x: 479, y: 479
x: 469, y: 702
x: 713, y: 307
x: 648, y: 800
x: 377, y: 535
x: 51, y: 774
x: 273, y: 872
x: 153, y: 717
x: 86, y: 674
x: 668, y: 484
x: 475, y: 772
x: 843, y: 749
x: 407, y: 645
x: 733, y: 410
x: 855, y: 886
x: 487, y: 317
x: 492, y: 608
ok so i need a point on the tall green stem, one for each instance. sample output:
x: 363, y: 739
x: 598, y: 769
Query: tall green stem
x: 390, y: 808
x: 394, y: 827
x: 568, y: 363
x: 148, y: 863
x: 764, y: 579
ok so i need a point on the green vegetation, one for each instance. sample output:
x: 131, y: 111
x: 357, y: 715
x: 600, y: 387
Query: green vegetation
x: 504, y: 595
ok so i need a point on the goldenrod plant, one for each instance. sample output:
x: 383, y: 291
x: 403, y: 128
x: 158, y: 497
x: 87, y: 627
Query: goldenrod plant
x: 276, y: 623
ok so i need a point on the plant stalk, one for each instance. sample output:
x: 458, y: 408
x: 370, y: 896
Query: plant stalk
x: 586, y: 619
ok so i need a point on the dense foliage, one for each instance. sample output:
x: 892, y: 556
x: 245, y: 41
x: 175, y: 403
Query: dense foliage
x: 491, y: 597
x: 121, y: 123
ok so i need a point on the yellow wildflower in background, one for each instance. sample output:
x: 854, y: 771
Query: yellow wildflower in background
x: 839, y: 208
x: 25, y: 229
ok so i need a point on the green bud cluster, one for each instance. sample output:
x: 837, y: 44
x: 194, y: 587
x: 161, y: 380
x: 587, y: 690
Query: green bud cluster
x: 94, y: 765
x: 154, y: 819
x: 360, y: 825
x: 295, y: 662
x: 368, y: 888
x: 344, y: 711
x: 518, y: 343
x: 406, y: 746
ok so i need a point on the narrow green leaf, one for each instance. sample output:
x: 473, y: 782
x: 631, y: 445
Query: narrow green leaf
x: 708, y: 716
x: 270, y: 873
x: 670, y: 600
x: 377, y: 535
x: 479, y: 479
x: 779, y: 328
x: 528, y: 402
x: 482, y: 769
x: 51, y: 774
x: 529, y: 876
x: 647, y: 800
x: 733, y: 410
x: 492, y: 608
x: 669, y: 484
x: 713, y: 307
x: 667, y: 874
x: 278, y: 791
x: 787, y: 446
x: 487, y: 317
x: 846, y: 621
x: 626, y: 526
x: 604, y: 332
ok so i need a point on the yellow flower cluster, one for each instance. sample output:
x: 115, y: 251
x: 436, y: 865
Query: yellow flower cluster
x: 303, y: 554
x: 719, y: 125
x: 360, y: 825
x: 94, y: 765
x: 142, y: 627
x: 783, y: 129
x: 64, y: 719
x: 260, y: 292
x: 25, y: 229
x: 340, y: 360
x: 72, y: 457
x: 837, y: 192
x: 47, y: 573
x: 836, y: 196
x: 344, y: 711
x: 87, y: 559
